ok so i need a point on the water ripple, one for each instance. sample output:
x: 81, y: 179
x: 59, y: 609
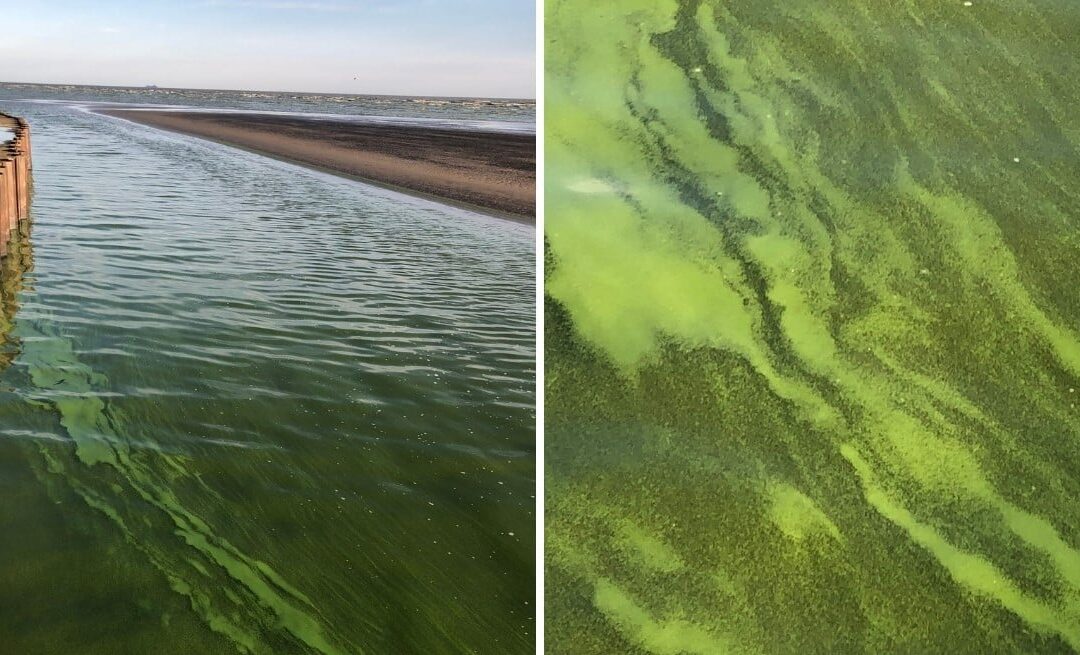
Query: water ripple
x: 287, y: 412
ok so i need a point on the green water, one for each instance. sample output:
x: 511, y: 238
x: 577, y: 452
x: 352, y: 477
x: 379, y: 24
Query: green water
x: 813, y: 327
x: 250, y: 408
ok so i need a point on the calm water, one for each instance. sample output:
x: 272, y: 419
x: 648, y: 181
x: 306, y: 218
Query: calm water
x: 247, y: 407
x: 474, y: 109
x: 812, y: 342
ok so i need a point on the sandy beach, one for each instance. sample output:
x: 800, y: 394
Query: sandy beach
x: 491, y: 171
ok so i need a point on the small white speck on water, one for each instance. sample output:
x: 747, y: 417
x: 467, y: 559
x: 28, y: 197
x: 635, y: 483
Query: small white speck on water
x: 969, y: 3
x: 510, y: 533
x: 1016, y: 159
x: 697, y: 69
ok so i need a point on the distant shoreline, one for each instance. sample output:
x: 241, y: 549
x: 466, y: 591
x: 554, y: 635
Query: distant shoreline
x: 152, y: 87
x: 488, y: 171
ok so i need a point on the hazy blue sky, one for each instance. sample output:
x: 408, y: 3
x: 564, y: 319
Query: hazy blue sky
x: 428, y: 47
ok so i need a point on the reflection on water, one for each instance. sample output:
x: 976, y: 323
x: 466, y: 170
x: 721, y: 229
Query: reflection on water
x: 14, y: 267
x: 253, y: 408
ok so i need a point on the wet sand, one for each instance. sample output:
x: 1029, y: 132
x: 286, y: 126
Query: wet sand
x: 490, y: 171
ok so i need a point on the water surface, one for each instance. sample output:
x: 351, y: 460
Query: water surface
x: 247, y: 407
x: 500, y: 110
x: 813, y: 327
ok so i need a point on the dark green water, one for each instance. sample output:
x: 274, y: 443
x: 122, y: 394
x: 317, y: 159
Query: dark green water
x: 246, y: 407
x: 813, y: 327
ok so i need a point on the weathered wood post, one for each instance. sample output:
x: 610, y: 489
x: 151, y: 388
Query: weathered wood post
x: 5, y: 206
x: 15, y: 166
x: 10, y: 195
x: 12, y: 164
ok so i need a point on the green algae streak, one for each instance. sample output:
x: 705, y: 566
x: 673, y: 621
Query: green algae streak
x: 247, y: 598
x: 812, y: 327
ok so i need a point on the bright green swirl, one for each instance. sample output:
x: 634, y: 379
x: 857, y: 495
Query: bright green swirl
x: 813, y: 328
x: 132, y: 482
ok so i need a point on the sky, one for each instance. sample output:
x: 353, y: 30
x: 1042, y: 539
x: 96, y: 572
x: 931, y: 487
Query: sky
x: 400, y: 47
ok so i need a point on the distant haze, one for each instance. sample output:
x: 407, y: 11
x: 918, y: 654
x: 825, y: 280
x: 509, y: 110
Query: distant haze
x: 401, y: 47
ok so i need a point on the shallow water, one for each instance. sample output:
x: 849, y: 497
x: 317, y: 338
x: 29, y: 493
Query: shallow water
x: 813, y: 327
x: 247, y: 407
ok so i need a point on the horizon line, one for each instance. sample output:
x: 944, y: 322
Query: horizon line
x: 340, y: 93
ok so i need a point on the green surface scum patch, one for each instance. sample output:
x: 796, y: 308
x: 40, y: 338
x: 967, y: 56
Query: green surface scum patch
x: 62, y: 381
x: 812, y: 327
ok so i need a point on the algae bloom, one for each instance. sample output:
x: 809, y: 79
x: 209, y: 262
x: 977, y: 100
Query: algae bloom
x: 812, y: 327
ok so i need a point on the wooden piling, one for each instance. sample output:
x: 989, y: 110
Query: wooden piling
x: 15, y: 167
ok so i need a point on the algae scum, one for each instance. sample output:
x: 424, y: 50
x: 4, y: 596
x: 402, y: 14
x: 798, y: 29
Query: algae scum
x: 813, y: 327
